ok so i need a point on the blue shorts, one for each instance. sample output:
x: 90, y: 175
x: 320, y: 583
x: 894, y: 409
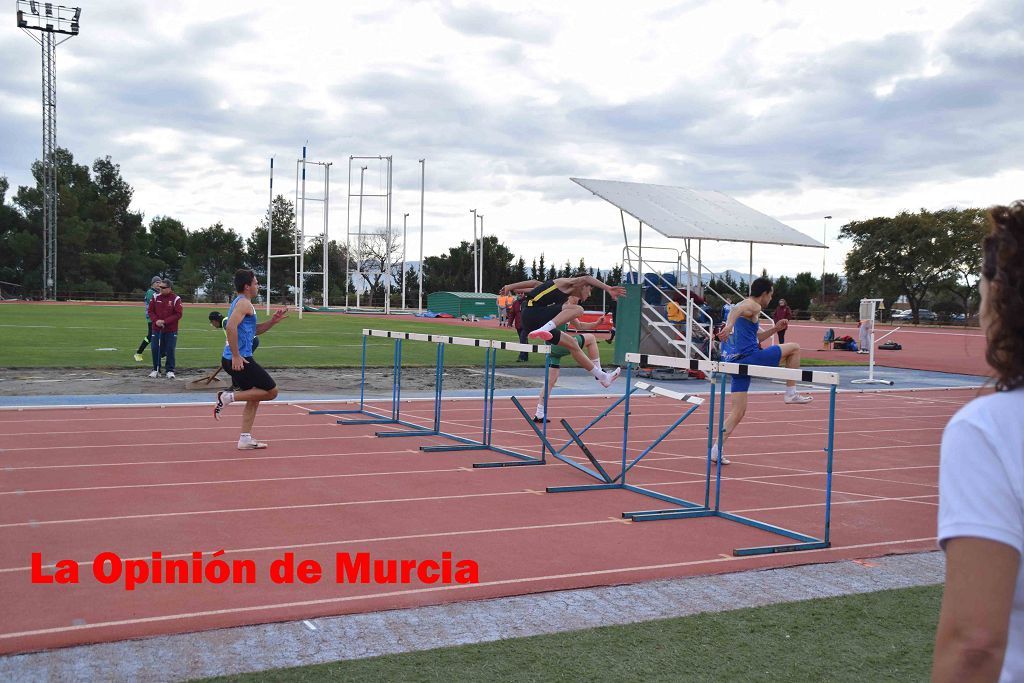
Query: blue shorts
x: 769, y: 357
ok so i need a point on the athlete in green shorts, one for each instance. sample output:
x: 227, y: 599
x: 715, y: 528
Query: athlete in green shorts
x: 587, y: 342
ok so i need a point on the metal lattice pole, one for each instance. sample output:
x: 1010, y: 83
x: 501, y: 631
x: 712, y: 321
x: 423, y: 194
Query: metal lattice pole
x: 54, y: 20
x: 49, y: 166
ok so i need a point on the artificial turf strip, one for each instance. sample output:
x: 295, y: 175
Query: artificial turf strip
x: 880, y: 636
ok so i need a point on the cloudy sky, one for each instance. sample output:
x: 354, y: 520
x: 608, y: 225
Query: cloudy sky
x: 799, y: 108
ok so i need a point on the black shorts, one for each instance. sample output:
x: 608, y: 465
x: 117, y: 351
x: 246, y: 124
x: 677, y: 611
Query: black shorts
x: 251, y: 376
x: 535, y: 317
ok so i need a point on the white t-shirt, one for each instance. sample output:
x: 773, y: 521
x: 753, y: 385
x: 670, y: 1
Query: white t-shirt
x: 981, y: 491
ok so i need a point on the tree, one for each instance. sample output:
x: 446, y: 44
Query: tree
x: 964, y: 230
x: 168, y: 246
x: 380, y: 262
x: 911, y: 250
x: 282, y: 275
x: 215, y: 253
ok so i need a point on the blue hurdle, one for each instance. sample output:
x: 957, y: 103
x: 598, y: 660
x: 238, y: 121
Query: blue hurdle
x: 485, y: 442
x: 723, y: 370
x: 605, y: 480
x: 372, y: 417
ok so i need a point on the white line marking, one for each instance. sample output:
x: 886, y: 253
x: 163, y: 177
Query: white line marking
x: 417, y: 591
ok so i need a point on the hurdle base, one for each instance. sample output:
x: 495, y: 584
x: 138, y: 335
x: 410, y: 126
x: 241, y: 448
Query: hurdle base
x: 790, y: 548
x: 509, y: 463
x: 886, y: 382
x: 582, y: 487
x: 805, y: 542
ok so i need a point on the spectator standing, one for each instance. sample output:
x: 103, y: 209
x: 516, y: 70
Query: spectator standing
x: 981, y: 471
x: 782, y: 312
x: 164, y: 311
x: 515, y: 319
x: 154, y: 289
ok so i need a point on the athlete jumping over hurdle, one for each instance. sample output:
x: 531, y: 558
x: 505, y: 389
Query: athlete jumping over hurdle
x: 547, y: 307
x: 743, y: 336
x: 585, y: 341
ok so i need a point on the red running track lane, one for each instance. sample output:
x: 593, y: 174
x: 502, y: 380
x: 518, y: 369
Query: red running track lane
x: 939, y: 349
x: 74, y: 483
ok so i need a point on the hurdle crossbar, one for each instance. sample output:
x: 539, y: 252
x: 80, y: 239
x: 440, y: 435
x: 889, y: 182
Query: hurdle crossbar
x: 724, y: 370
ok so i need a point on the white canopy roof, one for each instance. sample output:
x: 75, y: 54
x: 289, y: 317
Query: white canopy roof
x: 695, y: 214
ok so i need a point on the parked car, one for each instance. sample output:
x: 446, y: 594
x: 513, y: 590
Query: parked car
x: 925, y: 314
x: 902, y: 315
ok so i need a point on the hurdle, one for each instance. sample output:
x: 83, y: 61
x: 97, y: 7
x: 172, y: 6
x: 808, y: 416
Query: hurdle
x: 604, y: 479
x: 720, y: 371
x: 462, y: 443
x: 370, y: 416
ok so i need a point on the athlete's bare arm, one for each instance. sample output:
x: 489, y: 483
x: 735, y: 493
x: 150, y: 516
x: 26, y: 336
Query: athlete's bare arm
x: 524, y: 286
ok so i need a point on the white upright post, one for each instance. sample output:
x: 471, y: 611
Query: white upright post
x: 423, y: 180
x: 405, y: 238
x: 473, y: 248
x: 270, y: 233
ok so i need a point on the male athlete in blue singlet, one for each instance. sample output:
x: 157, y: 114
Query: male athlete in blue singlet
x: 254, y: 383
x: 547, y: 307
x: 743, y: 336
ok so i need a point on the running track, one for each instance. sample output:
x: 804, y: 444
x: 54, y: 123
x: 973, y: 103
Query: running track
x: 74, y: 483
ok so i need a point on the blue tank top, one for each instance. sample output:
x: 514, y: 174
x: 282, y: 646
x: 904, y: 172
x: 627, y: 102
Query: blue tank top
x: 743, y: 341
x: 246, y: 330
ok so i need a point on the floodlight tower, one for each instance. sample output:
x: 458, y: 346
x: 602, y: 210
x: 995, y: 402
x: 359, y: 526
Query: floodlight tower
x: 55, y: 19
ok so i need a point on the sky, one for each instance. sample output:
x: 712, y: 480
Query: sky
x: 800, y: 109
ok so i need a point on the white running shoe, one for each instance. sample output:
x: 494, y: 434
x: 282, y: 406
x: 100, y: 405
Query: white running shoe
x: 610, y: 377
x: 798, y: 398
x: 250, y: 444
x: 154, y: 374
x: 170, y: 375
x: 220, y: 404
x: 714, y: 458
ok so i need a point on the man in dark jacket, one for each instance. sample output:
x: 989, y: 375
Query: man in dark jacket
x: 782, y: 312
x: 164, y: 313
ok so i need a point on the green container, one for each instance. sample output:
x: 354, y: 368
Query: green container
x: 627, y: 323
x: 459, y: 304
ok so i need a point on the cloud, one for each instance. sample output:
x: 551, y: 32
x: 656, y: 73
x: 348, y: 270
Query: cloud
x: 477, y: 20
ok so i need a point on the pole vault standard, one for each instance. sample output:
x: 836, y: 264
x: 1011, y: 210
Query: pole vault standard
x: 384, y: 172
x: 323, y: 200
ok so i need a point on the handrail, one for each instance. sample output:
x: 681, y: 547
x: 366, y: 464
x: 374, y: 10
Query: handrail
x: 692, y: 347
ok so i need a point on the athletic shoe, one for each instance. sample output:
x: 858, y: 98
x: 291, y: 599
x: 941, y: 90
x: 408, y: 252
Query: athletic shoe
x: 154, y: 374
x: 610, y: 377
x: 538, y: 419
x: 170, y: 374
x: 540, y: 334
x: 798, y: 398
x: 138, y: 357
x: 714, y: 458
x: 250, y: 444
x: 219, y: 406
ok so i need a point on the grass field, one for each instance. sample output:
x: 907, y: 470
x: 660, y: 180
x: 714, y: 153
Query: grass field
x: 79, y: 336
x: 884, y: 636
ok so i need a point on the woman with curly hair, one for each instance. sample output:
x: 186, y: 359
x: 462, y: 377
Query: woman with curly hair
x: 981, y: 484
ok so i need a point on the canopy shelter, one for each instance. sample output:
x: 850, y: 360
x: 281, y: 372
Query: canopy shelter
x: 688, y: 214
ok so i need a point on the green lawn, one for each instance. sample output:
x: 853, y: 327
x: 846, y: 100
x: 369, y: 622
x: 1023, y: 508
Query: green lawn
x: 71, y: 336
x: 884, y: 636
